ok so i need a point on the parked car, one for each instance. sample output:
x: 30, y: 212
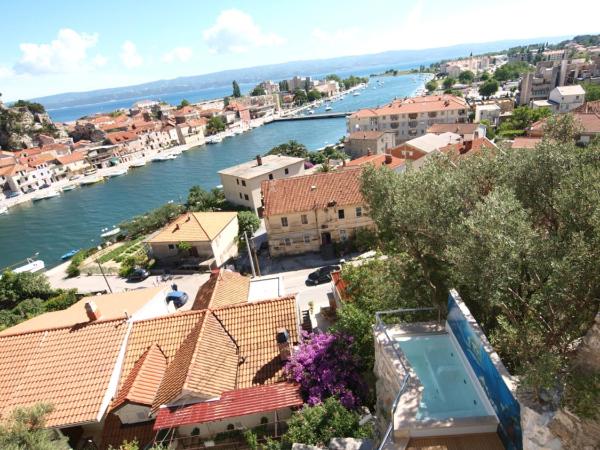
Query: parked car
x: 13, y: 194
x: 320, y: 276
x: 138, y: 275
x: 178, y: 298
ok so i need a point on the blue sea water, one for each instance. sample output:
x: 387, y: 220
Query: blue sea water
x: 75, y: 218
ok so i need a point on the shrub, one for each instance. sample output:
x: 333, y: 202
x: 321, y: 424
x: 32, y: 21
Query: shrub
x: 324, y: 367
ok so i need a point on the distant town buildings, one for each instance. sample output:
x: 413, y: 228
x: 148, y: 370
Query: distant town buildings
x: 362, y: 143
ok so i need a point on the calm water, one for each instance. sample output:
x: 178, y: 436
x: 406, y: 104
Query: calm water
x: 75, y: 219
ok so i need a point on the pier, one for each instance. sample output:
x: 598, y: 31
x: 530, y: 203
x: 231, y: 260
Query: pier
x: 329, y: 115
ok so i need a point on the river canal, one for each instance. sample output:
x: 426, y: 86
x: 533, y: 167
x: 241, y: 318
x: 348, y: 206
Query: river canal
x: 75, y: 218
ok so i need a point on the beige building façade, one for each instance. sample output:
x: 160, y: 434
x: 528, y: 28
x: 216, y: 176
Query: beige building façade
x: 302, y: 214
x: 241, y: 183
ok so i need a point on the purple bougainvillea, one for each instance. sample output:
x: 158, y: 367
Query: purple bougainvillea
x: 324, y: 366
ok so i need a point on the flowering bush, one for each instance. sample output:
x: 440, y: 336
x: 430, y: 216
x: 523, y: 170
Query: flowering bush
x: 325, y: 367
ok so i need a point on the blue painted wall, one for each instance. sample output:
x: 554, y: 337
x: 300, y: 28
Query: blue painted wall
x: 505, y: 405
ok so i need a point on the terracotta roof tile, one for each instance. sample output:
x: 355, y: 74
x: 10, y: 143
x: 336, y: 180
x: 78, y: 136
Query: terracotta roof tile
x: 377, y: 161
x: 223, y: 288
x: 71, y: 158
x: 458, y: 128
x: 68, y: 367
x: 194, y: 227
x: 309, y: 192
x: 428, y: 103
x: 525, y: 142
x: 143, y: 381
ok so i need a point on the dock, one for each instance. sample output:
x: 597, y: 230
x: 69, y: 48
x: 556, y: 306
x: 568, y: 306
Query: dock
x: 329, y: 115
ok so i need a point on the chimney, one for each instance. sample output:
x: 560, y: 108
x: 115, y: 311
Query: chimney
x: 388, y: 158
x: 468, y: 146
x: 283, y: 344
x: 344, y: 162
x: 259, y: 160
x: 92, y: 311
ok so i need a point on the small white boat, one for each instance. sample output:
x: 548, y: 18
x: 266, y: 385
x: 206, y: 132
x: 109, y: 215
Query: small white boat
x: 328, y: 108
x: 33, y: 265
x: 312, y: 111
x: 238, y: 131
x: 46, y: 194
x: 138, y: 163
x: 3, y: 209
x: 117, y: 172
x: 355, y: 94
x: 110, y: 233
x: 90, y: 172
x: 163, y: 157
x: 68, y: 187
x: 91, y: 180
x: 216, y: 139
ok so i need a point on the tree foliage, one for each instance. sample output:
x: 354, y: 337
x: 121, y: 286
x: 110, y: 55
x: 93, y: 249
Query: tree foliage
x: 184, y: 102
x: 318, y: 424
x: 152, y: 220
x: 466, y: 77
x: 215, y: 125
x: 30, y: 106
x: 236, y: 93
x: 258, y: 90
x: 290, y: 148
x: 592, y: 91
x: 300, y: 97
x: 25, y: 429
x: 488, y: 88
x: 324, y: 366
x: 313, y: 95
x: 522, y: 118
x: 200, y: 199
x: 431, y: 85
x: 515, y: 232
x: 352, y: 81
x: 448, y: 82
x: 248, y: 222
x: 512, y: 71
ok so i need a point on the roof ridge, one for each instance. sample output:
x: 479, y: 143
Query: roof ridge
x: 55, y: 328
x: 299, y: 177
x: 260, y: 302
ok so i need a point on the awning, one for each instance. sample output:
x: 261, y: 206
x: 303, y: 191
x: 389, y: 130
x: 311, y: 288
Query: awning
x: 241, y: 402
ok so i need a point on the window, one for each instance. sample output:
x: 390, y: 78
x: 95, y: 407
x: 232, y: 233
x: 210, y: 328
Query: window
x: 307, y: 238
x: 270, y: 176
x: 359, y: 212
x: 237, y: 180
x: 341, y: 214
x: 241, y: 195
x: 243, y: 182
x: 343, y: 235
x: 282, y: 243
x: 304, y: 219
x: 288, y: 242
x: 246, y: 197
x: 284, y: 222
x: 171, y: 247
x: 287, y: 171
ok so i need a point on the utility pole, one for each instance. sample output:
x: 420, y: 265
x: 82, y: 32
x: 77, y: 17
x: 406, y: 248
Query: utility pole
x: 249, y: 254
x: 255, y: 255
x: 105, y: 279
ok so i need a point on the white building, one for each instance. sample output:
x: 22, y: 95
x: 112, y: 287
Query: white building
x: 567, y: 98
x: 490, y: 112
x: 241, y: 183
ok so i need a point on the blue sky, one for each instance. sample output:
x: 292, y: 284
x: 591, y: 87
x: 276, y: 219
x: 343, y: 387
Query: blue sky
x: 62, y: 46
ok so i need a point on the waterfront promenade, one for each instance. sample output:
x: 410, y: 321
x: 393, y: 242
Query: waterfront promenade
x: 76, y: 218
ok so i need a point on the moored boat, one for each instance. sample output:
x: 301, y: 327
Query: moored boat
x: 33, y: 265
x: 68, y: 187
x: 69, y: 254
x: 110, y: 233
x: 3, y: 209
x: 138, y: 163
x: 117, y: 172
x: 91, y: 180
x: 46, y: 194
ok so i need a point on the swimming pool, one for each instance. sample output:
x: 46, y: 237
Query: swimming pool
x: 448, y: 388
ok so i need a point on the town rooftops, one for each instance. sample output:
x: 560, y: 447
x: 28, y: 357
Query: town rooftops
x: 110, y: 306
x: 366, y: 135
x: 589, y: 108
x: 574, y: 89
x: 223, y: 288
x: 119, y: 137
x: 194, y: 227
x: 488, y: 107
x: 253, y: 169
x: 429, y: 103
x: 311, y: 192
x: 381, y: 160
x: 70, y: 158
x: 430, y: 142
x: 457, y: 128
x: 525, y: 142
x: 70, y: 367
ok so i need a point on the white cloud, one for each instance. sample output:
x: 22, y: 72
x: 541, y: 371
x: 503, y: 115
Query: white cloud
x: 130, y: 56
x: 236, y: 32
x: 99, y: 61
x: 67, y: 53
x: 6, y: 72
x: 181, y: 54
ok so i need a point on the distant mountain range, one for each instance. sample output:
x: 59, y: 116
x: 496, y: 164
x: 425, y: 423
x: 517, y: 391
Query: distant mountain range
x: 359, y: 63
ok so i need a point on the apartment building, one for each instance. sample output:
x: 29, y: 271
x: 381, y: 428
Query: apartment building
x: 567, y: 98
x: 304, y: 214
x: 242, y: 183
x: 362, y: 143
x: 410, y: 118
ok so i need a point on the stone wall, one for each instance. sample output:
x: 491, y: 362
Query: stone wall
x: 588, y: 354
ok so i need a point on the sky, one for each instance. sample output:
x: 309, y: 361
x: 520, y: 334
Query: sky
x: 68, y: 46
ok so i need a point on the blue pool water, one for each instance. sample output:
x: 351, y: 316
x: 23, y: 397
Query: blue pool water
x: 448, y: 389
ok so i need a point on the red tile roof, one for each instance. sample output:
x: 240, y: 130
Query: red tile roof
x: 428, y: 103
x: 365, y: 135
x: 143, y: 381
x: 377, y: 161
x: 235, y: 403
x: 223, y: 288
x: 458, y: 128
x: 118, y: 137
x: 115, y: 433
x: 71, y: 158
x: 310, y: 192
x: 525, y: 142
